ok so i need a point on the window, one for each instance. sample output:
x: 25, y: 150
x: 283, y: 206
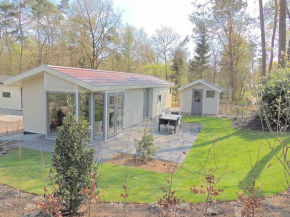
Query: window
x: 197, y: 96
x: 209, y: 94
x: 158, y: 98
x: 6, y: 94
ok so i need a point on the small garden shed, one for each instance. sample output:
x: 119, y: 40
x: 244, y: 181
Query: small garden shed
x: 200, y: 97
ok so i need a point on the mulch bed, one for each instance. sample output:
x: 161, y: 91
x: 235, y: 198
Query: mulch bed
x: 27, y: 207
x: 155, y: 165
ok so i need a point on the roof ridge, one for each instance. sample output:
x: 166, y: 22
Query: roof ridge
x: 211, y: 83
x: 109, y: 71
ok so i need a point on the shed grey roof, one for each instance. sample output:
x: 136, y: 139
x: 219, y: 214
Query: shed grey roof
x: 204, y: 82
x: 3, y: 78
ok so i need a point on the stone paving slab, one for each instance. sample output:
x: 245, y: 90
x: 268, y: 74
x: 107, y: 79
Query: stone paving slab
x: 170, y: 144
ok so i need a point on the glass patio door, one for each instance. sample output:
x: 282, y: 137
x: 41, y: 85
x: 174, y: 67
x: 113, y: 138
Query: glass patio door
x: 98, y: 125
x: 111, y: 122
x: 115, y: 114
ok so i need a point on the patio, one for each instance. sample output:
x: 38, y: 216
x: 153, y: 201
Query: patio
x: 170, y: 144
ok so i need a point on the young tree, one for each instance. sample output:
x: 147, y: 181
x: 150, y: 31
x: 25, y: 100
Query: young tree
x: 200, y: 63
x: 146, y: 147
x: 72, y: 161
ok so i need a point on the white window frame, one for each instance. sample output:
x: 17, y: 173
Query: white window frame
x: 212, y: 97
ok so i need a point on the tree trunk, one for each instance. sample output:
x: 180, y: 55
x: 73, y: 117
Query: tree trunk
x: 21, y: 37
x: 282, y: 33
x: 273, y: 36
x: 232, y: 71
x: 262, y: 26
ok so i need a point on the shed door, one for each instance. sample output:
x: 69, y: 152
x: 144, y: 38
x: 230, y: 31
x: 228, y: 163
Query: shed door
x: 146, y: 104
x: 196, y: 107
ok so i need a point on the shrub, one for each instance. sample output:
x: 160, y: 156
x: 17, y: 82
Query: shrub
x: 72, y: 161
x: 146, y: 148
x: 275, y: 98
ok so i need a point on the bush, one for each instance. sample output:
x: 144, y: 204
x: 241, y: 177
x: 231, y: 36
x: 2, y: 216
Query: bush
x: 72, y: 161
x: 146, y: 147
x: 275, y: 98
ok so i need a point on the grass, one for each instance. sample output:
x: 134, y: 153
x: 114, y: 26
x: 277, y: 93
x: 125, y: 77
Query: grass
x: 233, y: 157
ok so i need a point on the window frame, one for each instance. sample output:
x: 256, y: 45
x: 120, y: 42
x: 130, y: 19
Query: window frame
x: 5, y: 92
x: 211, y: 97
x: 159, y: 98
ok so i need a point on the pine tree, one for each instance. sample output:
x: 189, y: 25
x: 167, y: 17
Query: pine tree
x: 200, y: 63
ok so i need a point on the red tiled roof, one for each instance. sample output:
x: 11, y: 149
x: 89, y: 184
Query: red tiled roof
x: 100, y: 77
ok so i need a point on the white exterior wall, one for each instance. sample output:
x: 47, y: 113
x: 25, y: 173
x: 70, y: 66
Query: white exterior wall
x: 54, y: 83
x: 34, y: 109
x: 133, y: 106
x: 10, y: 103
x: 210, y: 106
x: 165, y: 103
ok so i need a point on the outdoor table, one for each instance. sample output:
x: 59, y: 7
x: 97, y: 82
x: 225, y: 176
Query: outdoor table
x: 171, y: 119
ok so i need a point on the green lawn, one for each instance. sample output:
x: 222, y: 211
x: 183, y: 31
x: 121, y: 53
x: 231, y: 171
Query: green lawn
x: 233, y: 157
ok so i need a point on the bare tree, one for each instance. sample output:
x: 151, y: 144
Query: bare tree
x: 99, y: 22
x: 263, y: 43
x: 165, y: 40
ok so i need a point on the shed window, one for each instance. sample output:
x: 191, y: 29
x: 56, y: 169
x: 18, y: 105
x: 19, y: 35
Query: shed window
x: 6, y: 94
x: 158, y: 98
x: 209, y: 94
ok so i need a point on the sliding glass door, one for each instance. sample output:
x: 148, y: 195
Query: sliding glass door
x: 112, y: 115
x: 98, y: 116
x: 115, y: 114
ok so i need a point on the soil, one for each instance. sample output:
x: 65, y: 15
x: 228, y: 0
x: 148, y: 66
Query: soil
x: 278, y: 206
x: 249, y: 123
x: 151, y: 165
x: 6, y: 147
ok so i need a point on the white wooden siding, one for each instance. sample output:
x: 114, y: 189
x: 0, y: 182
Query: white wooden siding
x: 165, y: 103
x: 133, y: 106
x: 34, y: 115
x: 10, y: 103
x: 209, y: 106
x: 54, y: 83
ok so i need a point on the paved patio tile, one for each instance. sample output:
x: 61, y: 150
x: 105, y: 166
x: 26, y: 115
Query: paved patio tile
x: 11, y: 112
x: 170, y: 144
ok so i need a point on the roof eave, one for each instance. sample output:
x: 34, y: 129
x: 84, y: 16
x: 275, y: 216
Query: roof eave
x: 219, y: 90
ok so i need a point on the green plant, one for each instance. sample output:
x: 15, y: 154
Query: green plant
x: 275, y: 98
x: 72, y: 161
x: 146, y: 147
x: 211, y: 180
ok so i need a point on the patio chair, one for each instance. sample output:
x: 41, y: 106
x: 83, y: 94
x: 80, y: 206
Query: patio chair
x: 174, y: 124
x: 174, y: 113
x: 161, y: 122
x: 179, y: 121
